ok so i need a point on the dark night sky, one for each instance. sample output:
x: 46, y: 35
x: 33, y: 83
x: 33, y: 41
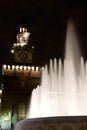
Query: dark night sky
x: 47, y: 22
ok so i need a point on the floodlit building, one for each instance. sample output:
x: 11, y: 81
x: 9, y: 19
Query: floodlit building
x: 19, y: 79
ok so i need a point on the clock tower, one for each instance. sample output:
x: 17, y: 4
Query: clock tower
x: 19, y: 80
x: 22, y: 49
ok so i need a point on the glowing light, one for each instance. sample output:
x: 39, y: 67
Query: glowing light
x: 8, y: 66
x: 23, y: 29
x: 0, y: 91
x: 4, y: 66
x: 32, y: 67
x: 36, y: 68
x: 25, y: 67
x: 21, y: 67
x: 17, y: 67
x: 12, y: 51
x: 20, y: 44
x: 28, y: 67
x: 13, y: 67
x: 20, y: 29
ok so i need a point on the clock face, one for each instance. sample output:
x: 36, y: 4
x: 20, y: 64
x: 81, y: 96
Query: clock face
x: 23, y: 57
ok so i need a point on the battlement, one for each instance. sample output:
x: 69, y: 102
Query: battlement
x: 18, y: 70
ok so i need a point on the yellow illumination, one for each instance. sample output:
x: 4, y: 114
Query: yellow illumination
x: 20, y: 29
x: 17, y: 67
x: 0, y: 100
x: 23, y: 29
x: 36, y: 68
x: 28, y: 67
x: 8, y: 66
x: 0, y: 91
x: 20, y: 44
x: 13, y: 67
x: 21, y: 67
x: 25, y: 67
x: 4, y: 66
x: 32, y: 67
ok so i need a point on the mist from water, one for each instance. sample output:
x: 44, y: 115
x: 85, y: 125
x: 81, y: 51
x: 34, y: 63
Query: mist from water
x: 63, y: 90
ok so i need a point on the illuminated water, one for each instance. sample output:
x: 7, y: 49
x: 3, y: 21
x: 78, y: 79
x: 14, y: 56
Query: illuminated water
x: 63, y: 90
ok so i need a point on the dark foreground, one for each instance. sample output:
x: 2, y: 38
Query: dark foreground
x: 53, y: 123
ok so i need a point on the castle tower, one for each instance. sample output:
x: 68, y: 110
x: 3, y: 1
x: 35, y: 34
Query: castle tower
x: 22, y: 49
x: 19, y: 78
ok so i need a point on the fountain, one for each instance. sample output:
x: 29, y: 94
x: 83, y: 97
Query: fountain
x: 60, y: 101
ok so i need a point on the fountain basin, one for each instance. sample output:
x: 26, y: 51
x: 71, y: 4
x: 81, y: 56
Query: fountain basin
x: 53, y: 123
